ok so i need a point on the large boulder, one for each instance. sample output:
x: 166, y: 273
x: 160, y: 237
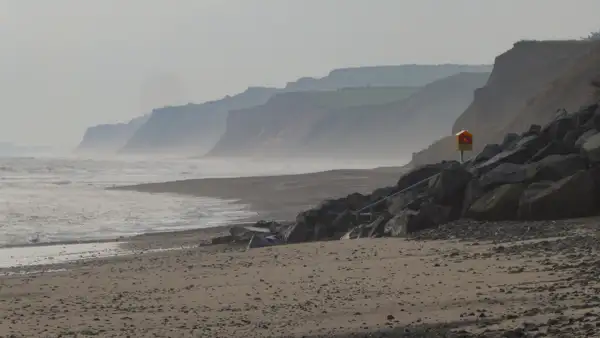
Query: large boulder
x: 422, y: 173
x: 520, y: 154
x: 559, y: 127
x: 408, y: 221
x: 509, y: 141
x: 506, y: 173
x: 498, y: 204
x: 556, y: 167
x: 582, y: 139
x: 473, y: 191
x: 449, y: 185
x: 570, y: 197
x: 553, y: 148
x: 591, y: 148
x: 488, y: 152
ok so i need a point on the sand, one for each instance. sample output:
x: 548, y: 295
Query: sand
x: 280, y: 197
x: 464, y: 279
x: 340, y: 288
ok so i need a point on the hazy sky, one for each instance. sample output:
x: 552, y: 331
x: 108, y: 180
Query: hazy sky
x: 68, y: 64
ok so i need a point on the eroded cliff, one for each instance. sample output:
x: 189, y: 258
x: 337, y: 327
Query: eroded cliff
x: 109, y: 138
x: 367, y: 122
x: 193, y: 128
x: 528, y: 84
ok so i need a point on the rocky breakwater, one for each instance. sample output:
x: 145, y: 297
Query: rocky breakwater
x: 548, y: 172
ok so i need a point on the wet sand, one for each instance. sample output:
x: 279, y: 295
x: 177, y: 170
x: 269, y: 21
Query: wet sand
x: 392, y: 287
x: 280, y: 197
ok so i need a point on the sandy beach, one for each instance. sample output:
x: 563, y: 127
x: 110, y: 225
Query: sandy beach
x: 464, y: 279
x: 393, y: 287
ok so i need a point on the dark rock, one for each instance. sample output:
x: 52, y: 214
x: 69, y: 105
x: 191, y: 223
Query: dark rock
x: 422, y: 173
x: 487, y: 153
x: 557, y: 129
x: 584, y: 137
x: 509, y: 141
x: 515, y: 156
x: 534, y: 129
x: 400, y: 201
x: 584, y: 116
x: 498, y: 204
x: 222, y: 239
x: 295, y: 233
x: 591, y: 148
x: 356, y: 201
x: 450, y: 183
x: 240, y: 234
x: 261, y: 241
x: 553, y: 148
x: 377, y: 227
x: 570, y: 197
x: 571, y: 137
x: 556, y: 167
x: 472, y: 192
x: 506, y: 173
x: 342, y: 223
x: 409, y: 221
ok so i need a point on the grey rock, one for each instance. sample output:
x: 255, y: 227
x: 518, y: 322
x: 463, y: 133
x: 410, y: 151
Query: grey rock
x: 498, y: 204
x: 509, y: 141
x: 570, y: 197
x: 489, y: 151
x: 450, y: 183
x: 591, y: 148
x: 295, y: 233
x: 507, y: 173
x: 553, y: 148
x: 584, y: 137
x: 556, y: 167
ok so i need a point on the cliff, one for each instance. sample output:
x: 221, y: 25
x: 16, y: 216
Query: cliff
x: 299, y: 124
x: 193, y: 128
x: 108, y: 138
x: 284, y: 122
x: 383, y: 76
x: 528, y: 84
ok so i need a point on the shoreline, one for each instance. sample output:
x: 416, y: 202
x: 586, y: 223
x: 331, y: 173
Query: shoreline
x: 279, y: 197
x: 356, y: 288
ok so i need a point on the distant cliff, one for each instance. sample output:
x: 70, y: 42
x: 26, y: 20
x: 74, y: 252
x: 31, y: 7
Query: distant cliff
x: 196, y: 128
x: 108, y: 138
x: 383, y: 76
x: 298, y: 124
x: 527, y: 85
x: 193, y: 128
x: 284, y: 122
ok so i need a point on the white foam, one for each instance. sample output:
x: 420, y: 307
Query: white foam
x: 54, y: 254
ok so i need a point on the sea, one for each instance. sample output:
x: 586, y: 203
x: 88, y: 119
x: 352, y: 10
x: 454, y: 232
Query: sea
x: 47, y: 199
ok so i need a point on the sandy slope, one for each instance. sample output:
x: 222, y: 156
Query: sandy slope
x: 328, y: 289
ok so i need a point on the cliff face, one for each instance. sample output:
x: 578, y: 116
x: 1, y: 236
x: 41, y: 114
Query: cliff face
x: 298, y: 124
x: 284, y: 122
x: 527, y: 85
x: 108, y: 138
x: 384, y: 76
x: 193, y: 128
